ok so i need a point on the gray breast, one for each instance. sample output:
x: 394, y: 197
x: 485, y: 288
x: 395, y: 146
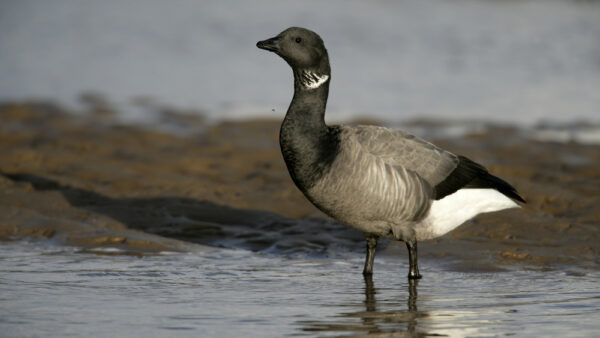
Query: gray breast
x: 367, y: 192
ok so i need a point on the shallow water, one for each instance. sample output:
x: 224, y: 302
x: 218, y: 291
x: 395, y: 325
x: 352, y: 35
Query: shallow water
x: 50, y: 290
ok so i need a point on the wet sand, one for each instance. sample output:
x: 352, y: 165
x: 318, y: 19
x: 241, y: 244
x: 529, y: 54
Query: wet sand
x: 83, y: 180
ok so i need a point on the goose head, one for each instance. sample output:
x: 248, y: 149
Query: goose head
x: 304, y: 51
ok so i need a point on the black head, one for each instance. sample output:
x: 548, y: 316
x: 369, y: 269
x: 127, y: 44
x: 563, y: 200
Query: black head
x: 300, y: 47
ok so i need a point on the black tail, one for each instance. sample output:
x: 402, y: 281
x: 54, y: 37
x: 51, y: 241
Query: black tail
x: 469, y: 174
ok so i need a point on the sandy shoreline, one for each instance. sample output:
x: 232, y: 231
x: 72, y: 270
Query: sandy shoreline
x: 83, y: 181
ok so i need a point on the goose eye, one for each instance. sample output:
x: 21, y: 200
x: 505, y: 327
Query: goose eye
x: 298, y: 40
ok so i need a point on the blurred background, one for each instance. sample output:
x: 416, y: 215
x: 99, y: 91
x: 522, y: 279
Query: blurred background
x: 523, y: 62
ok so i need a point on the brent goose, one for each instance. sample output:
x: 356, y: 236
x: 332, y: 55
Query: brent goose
x: 382, y: 181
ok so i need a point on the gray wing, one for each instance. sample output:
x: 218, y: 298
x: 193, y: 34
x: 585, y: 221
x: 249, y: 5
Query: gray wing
x: 400, y: 149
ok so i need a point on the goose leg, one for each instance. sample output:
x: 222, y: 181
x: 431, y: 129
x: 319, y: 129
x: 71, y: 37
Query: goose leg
x: 371, y: 245
x: 413, y: 272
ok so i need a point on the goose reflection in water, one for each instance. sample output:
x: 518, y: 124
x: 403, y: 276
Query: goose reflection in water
x: 374, y: 322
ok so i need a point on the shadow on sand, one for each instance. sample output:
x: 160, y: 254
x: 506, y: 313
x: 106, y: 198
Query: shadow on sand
x: 207, y: 223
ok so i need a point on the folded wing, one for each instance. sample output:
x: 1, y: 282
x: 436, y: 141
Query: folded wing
x: 444, y: 171
x: 400, y: 149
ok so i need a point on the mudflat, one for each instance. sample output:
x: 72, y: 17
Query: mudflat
x: 81, y: 179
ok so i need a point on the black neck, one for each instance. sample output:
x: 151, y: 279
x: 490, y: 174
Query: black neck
x: 307, y: 109
x: 307, y: 143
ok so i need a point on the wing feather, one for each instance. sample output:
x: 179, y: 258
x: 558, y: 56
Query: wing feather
x: 444, y: 171
x: 400, y: 149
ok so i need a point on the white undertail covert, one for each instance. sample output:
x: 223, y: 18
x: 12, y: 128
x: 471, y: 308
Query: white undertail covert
x: 453, y: 210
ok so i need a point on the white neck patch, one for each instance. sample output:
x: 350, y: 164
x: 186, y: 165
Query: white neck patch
x: 311, y: 80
